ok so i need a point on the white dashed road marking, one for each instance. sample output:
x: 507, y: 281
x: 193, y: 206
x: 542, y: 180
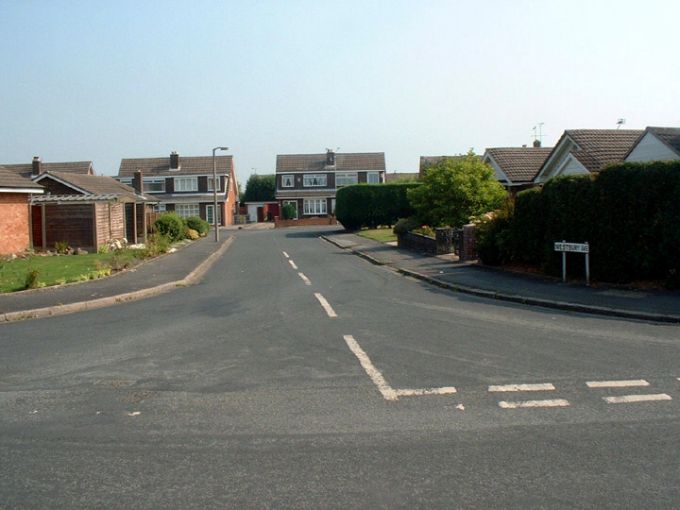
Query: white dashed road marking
x: 304, y: 279
x: 559, y: 402
x: 290, y: 261
x: 522, y: 387
x: 326, y: 306
x: 617, y: 384
x: 629, y: 399
x: 285, y: 254
x: 385, y: 389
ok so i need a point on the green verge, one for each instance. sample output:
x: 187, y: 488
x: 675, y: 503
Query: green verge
x: 382, y: 235
x: 58, y: 270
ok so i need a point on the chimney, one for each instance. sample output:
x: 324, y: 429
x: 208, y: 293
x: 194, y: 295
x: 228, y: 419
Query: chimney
x: 174, y: 161
x: 330, y: 157
x: 138, y: 182
x: 37, y: 166
x: 537, y: 143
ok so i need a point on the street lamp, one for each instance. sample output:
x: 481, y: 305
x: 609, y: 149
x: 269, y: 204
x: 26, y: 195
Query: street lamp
x: 217, y: 230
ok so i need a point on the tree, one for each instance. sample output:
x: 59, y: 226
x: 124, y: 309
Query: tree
x: 260, y: 188
x: 456, y: 189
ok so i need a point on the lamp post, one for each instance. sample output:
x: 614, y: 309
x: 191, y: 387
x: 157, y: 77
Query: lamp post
x: 217, y: 230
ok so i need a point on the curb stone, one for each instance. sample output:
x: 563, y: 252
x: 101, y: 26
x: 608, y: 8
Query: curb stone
x: 524, y: 300
x: 52, y: 311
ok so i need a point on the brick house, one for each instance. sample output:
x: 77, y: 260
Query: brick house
x: 87, y: 211
x: 185, y: 185
x: 310, y: 181
x: 15, y: 193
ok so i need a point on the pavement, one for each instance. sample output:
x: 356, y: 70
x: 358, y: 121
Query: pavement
x: 170, y: 271
x: 473, y: 278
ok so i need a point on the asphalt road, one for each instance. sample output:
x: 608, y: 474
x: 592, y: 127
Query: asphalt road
x: 245, y: 392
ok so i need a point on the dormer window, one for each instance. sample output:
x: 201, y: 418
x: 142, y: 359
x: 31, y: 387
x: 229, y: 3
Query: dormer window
x: 314, y: 180
x: 287, y: 181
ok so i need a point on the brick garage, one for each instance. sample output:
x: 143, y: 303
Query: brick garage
x: 15, y: 191
x: 14, y: 223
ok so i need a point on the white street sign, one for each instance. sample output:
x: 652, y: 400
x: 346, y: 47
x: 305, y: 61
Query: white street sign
x: 573, y: 247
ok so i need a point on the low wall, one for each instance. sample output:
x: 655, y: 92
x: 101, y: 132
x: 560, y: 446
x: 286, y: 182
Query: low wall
x: 440, y: 245
x: 304, y: 222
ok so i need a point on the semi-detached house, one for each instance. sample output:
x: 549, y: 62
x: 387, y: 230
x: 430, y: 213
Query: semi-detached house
x: 185, y: 185
x: 310, y: 181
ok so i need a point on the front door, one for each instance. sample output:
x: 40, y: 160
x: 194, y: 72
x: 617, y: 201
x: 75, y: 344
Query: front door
x: 209, y: 217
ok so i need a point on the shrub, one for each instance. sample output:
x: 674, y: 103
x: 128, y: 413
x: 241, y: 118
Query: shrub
x: 192, y: 234
x: 156, y: 244
x: 103, y: 249
x: 371, y: 205
x: 405, y: 225
x: 170, y: 225
x: 62, y: 247
x: 199, y: 225
x: 288, y: 211
x: 32, y: 279
x: 494, y: 240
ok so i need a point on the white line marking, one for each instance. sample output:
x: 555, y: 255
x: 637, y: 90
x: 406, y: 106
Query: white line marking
x: 304, y: 279
x: 628, y: 399
x: 420, y: 392
x: 560, y: 402
x: 522, y: 387
x: 292, y: 264
x: 385, y: 389
x: 285, y: 254
x: 326, y: 306
x: 617, y: 384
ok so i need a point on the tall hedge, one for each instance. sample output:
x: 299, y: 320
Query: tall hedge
x: 371, y: 205
x: 629, y: 213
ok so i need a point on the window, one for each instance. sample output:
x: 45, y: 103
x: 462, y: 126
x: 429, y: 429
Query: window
x: 160, y: 208
x: 346, y: 179
x: 186, y: 210
x: 373, y: 177
x: 210, y: 183
x: 287, y: 181
x: 126, y: 180
x: 314, y: 180
x: 154, y: 185
x: 186, y: 183
x: 315, y: 206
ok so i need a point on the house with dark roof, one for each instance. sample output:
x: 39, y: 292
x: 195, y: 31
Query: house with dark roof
x: 15, y: 220
x: 37, y: 166
x: 516, y: 167
x: 87, y: 211
x: 392, y: 177
x: 587, y: 151
x: 656, y: 144
x: 310, y: 181
x: 184, y: 184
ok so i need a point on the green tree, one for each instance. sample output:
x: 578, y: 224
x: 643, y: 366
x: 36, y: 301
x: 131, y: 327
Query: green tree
x: 260, y: 188
x: 456, y: 189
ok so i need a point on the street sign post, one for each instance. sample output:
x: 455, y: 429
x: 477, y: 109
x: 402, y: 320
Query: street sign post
x: 565, y: 247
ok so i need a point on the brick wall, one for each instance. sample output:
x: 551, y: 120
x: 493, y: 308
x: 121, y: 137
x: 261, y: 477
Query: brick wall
x: 305, y: 222
x: 14, y: 223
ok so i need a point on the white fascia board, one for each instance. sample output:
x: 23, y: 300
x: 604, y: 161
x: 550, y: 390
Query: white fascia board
x: 32, y: 191
x: 42, y: 176
x: 553, y: 160
x: 501, y: 176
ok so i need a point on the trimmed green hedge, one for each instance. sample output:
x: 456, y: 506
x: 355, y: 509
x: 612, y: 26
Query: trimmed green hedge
x: 371, y: 205
x: 629, y: 213
x: 171, y: 225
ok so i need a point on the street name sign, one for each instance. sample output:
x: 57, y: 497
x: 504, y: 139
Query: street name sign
x: 573, y: 247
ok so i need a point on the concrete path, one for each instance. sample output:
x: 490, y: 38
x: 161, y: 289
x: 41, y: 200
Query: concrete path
x: 654, y: 305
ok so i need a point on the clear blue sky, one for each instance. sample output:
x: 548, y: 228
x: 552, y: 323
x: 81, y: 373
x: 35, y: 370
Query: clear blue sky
x: 101, y: 81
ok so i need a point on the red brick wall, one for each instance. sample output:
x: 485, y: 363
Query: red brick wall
x: 14, y: 223
x: 305, y: 222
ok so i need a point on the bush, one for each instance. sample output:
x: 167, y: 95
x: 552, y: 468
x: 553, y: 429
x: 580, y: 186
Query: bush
x: 170, y: 225
x: 156, y: 244
x: 371, y: 205
x: 288, y: 211
x: 192, y: 234
x: 199, y: 225
x: 62, y: 247
x: 405, y: 225
x: 32, y: 279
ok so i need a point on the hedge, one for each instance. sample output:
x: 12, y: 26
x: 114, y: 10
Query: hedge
x: 170, y: 225
x: 371, y: 205
x: 629, y: 213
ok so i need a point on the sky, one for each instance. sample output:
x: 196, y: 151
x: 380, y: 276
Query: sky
x: 101, y: 81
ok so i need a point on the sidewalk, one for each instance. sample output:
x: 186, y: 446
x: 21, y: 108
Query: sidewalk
x: 663, y: 306
x: 154, y: 276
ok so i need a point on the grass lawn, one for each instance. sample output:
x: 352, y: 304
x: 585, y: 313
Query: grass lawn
x: 383, y: 235
x: 58, y: 270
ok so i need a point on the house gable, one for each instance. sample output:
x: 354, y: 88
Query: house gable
x: 498, y: 172
x: 56, y: 186
x: 651, y: 147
